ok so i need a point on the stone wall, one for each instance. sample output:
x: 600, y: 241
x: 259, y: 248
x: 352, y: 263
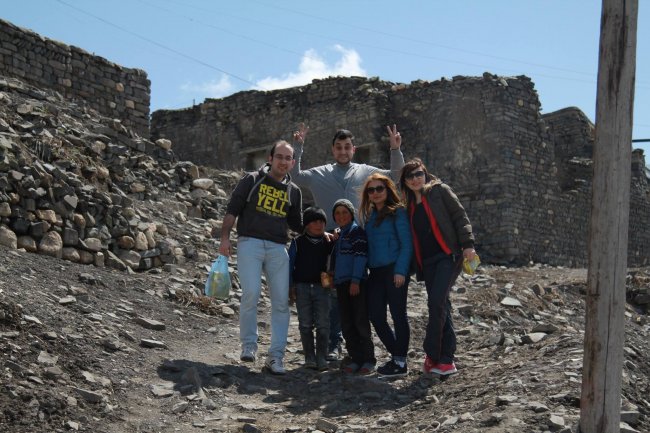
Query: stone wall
x: 112, y: 90
x: 76, y: 186
x: 230, y: 132
x: 524, y: 178
x: 639, y: 251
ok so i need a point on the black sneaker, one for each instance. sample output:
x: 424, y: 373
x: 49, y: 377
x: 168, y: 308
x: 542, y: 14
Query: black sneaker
x: 392, y: 369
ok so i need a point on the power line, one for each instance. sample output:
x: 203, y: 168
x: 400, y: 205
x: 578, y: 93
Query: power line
x: 255, y: 85
x: 212, y: 26
x: 356, y: 43
x: 295, y: 31
x: 179, y: 53
x: 395, y: 51
x: 420, y: 41
x: 158, y: 44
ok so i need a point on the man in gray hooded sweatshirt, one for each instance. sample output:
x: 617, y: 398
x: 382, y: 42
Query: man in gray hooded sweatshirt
x: 341, y: 180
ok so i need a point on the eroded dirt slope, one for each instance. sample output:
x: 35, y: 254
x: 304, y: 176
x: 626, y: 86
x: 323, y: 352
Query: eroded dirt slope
x: 96, y: 349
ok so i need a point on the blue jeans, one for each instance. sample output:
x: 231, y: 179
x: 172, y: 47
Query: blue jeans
x: 381, y: 292
x: 440, y: 273
x: 254, y: 256
x: 313, y: 304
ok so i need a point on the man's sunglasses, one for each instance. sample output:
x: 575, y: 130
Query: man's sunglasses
x: 414, y: 174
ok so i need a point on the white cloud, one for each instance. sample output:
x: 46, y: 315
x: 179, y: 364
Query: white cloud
x: 313, y: 66
x: 211, y: 89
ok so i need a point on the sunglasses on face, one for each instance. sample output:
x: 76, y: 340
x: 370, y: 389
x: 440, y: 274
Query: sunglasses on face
x: 414, y: 174
x: 376, y: 189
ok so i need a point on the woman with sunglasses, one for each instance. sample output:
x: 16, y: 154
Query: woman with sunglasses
x: 442, y: 237
x: 389, y: 255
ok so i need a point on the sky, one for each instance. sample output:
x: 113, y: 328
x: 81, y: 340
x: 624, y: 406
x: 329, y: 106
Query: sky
x: 198, y: 49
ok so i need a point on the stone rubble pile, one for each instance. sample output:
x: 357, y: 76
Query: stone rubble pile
x: 75, y: 185
x: 638, y: 290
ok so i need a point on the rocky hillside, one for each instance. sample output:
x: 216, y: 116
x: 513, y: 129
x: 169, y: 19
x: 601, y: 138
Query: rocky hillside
x: 97, y: 349
x: 78, y: 186
x: 105, y: 240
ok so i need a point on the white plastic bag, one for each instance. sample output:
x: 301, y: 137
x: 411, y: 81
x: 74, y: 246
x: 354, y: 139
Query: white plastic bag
x: 218, y: 282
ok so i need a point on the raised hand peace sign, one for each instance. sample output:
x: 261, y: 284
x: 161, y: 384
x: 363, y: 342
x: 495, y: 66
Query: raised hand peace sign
x: 394, y: 137
x: 301, y: 133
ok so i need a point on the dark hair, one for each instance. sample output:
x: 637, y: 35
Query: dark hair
x: 280, y: 142
x: 392, y: 199
x: 412, y: 165
x: 342, y: 134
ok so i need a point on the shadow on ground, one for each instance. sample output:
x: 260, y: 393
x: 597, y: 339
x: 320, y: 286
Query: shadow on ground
x: 332, y: 393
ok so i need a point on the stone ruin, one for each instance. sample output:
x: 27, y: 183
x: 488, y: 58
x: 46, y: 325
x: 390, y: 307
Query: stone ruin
x: 524, y: 177
x: 78, y: 183
x: 112, y: 90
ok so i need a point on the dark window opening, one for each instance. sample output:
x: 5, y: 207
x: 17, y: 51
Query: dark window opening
x: 255, y: 160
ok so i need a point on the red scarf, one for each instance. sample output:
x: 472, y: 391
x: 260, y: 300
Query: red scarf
x: 434, y: 226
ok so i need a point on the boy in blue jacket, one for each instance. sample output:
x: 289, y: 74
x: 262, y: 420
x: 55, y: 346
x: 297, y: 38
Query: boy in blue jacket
x: 350, y: 257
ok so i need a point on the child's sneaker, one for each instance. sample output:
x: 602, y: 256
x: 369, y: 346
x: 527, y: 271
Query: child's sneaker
x: 334, y: 354
x: 444, y: 369
x: 274, y: 365
x: 392, y: 369
x: 321, y: 364
x: 310, y: 362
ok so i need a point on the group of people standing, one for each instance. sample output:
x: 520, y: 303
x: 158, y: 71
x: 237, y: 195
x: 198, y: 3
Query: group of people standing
x: 346, y: 271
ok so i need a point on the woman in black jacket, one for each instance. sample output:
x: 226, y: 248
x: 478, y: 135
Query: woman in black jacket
x: 442, y: 237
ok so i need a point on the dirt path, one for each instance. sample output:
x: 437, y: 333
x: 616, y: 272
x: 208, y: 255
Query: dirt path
x: 82, y: 365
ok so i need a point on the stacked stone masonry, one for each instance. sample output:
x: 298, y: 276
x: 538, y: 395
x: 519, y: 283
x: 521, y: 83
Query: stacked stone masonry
x: 524, y: 177
x: 74, y: 186
x: 112, y: 90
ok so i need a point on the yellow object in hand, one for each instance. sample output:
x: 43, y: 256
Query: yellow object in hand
x: 469, y: 266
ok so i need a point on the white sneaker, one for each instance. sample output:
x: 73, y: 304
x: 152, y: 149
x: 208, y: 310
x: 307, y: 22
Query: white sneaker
x: 274, y: 365
x: 334, y: 354
x: 248, y: 353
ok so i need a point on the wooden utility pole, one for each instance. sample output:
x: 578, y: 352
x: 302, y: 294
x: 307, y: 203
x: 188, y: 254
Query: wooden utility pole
x: 600, y: 403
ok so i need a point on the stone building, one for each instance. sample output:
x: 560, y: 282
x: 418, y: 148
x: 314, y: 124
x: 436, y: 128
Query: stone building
x: 112, y: 90
x: 523, y: 177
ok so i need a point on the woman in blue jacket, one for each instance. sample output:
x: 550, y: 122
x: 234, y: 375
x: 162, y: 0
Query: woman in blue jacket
x: 389, y: 255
